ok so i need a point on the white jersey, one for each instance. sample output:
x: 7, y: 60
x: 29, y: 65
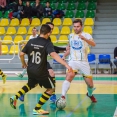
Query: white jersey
x: 31, y: 37
x: 78, y: 47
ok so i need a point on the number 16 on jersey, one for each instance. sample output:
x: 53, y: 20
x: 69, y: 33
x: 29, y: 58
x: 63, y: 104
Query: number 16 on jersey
x: 35, y: 57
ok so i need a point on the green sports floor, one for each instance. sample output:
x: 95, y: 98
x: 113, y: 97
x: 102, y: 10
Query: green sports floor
x: 78, y: 104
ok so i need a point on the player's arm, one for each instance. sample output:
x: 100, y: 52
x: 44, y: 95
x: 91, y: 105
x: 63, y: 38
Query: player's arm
x: 22, y: 58
x: 59, y: 49
x: 67, y: 52
x: 89, y: 41
x: 0, y: 48
x: 56, y: 48
x: 50, y: 50
x: 55, y: 56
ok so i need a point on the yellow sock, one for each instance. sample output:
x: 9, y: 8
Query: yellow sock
x: 45, y: 96
x: 1, y: 73
x: 22, y: 91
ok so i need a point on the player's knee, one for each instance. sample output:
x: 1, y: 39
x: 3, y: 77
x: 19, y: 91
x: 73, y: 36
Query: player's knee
x: 70, y: 76
x: 50, y: 91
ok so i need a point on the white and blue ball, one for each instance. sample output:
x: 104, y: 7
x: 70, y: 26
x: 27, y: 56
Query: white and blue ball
x: 61, y: 103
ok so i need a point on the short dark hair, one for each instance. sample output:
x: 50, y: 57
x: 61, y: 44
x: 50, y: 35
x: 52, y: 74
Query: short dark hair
x: 49, y: 23
x: 34, y: 28
x: 45, y: 29
x: 78, y: 21
x: 28, y: 1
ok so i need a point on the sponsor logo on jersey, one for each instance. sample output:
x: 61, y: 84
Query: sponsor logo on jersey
x: 76, y: 44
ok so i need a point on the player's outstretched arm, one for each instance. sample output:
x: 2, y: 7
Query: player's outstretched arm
x: 59, y: 49
x: 0, y: 48
x: 24, y: 65
x: 55, y: 56
x: 67, y: 52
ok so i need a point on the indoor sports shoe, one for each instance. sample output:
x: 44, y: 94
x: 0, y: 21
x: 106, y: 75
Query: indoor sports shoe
x: 53, y: 98
x: 13, y: 102
x: 19, y: 75
x: 21, y: 98
x: 63, y: 97
x: 40, y: 112
x: 93, y: 99
x: 4, y: 79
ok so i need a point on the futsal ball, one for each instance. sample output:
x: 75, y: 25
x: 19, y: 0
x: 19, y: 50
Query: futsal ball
x: 61, y: 103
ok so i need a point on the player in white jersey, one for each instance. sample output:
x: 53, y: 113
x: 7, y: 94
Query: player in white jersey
x: 77, y: 51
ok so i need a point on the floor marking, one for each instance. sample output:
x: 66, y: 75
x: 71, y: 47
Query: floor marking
x: 115, y: 114
x: 77, y: 106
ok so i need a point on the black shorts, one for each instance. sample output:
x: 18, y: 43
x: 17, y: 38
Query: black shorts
x: 48, y: 66
x: 48, y: 82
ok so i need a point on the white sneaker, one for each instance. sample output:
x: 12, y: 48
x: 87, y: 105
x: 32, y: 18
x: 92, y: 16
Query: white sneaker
x: 19, y: 75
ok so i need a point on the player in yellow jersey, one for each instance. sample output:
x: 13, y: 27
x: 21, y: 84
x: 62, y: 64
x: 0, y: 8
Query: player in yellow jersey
x: 77, y: 51
x: 1, y: 73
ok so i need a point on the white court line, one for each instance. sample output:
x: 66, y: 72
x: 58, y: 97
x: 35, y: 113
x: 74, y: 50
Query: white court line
x: 77, y: 107
x: 115, y: 114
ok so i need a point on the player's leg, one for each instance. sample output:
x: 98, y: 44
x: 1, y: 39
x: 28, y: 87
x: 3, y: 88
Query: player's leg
x: 53, y: 97
x: 3, y: 76
x: 49, y: 84
x: 69, y: 78
x: 52, y: 74
x: 21, y: 75
x: 21, y: 98
x: 31, y: 84
x: 115, y: 62
x: 85, y: 68
x: 90, y: 88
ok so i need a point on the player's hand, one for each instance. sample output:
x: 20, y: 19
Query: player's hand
x: 69, y: 68
x: 23, y: 45
x: 82, y: 37
x: 2, y: 6
x: 0, y: 53
x: 24, y: 65
x: 22, y: 12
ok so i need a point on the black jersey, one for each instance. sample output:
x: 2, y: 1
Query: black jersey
x: 37, y: 50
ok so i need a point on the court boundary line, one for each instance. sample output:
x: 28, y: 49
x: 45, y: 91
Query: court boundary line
x: 115, y: 113
x: 79, y: 104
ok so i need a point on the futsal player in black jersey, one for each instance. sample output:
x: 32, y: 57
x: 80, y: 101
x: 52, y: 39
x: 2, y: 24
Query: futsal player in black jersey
x: 37, y: 50
x: 51, y: 72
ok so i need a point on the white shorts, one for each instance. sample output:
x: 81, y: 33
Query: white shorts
x: 83, y: 66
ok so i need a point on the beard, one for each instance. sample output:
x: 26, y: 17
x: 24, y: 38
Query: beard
x: 77, y: 31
